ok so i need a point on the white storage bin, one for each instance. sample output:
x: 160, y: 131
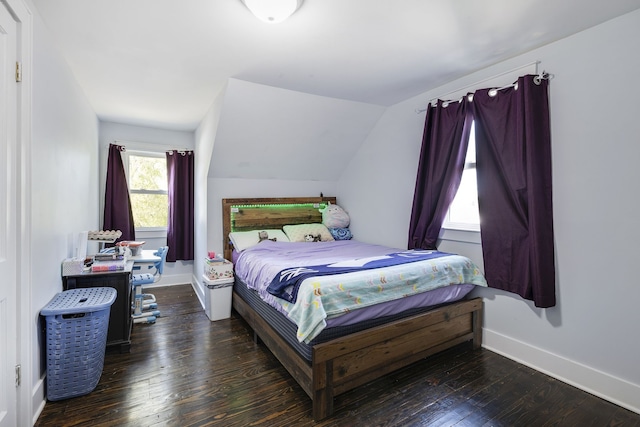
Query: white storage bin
x: 218, y: 298
x: 218, y: 269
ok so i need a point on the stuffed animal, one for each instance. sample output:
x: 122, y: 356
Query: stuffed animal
x: 263, y: 235
x: 333, y: 216
x: 312, y: 238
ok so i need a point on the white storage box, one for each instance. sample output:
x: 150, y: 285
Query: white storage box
x: 218, y: 269
x: 72, y: 266
x: 218, y: 298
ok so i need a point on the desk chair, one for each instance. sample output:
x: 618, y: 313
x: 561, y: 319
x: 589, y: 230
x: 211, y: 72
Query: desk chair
x: 144, y: 301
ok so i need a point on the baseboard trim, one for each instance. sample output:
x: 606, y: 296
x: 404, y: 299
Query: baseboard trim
x: 613, y: 389
x: 171, y: 280
x: 198, y: 288
x: 37, y: 398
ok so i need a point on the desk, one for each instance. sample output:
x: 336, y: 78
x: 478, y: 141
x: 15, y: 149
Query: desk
x: 119, y: 333
x: 144, y: 257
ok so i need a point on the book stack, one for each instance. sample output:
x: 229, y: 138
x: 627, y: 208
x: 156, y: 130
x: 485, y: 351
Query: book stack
x: 108, y: 257
x: 112, y: 265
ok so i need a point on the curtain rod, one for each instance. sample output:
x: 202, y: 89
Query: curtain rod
x: 141, y: 146
x: 536, y: 63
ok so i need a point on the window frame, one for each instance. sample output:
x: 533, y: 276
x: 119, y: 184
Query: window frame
x: 144, y: 232
x: 462, y: 231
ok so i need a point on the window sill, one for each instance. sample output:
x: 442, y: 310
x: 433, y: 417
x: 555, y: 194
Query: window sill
x: 460, y: 235
x: 151, y: 233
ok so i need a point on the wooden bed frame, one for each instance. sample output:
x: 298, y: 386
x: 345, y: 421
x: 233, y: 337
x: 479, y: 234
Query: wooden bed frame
x: 345, y: 363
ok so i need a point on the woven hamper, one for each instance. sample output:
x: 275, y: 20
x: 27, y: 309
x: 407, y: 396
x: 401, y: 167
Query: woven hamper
x: 77, y: 322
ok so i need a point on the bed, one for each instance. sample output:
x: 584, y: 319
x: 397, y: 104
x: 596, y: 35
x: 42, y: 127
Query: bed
x: 340, y: 357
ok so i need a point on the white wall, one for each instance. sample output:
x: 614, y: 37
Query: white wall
x: 590, y: 338
x: 155, y: 140
x: 64, y: 183
x: 266, y: 132
x: 376, y: 189
x: 205, y: 139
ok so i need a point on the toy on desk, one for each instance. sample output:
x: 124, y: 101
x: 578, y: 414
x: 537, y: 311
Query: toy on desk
x: 143, y: 301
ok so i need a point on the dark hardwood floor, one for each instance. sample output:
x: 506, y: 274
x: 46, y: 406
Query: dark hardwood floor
x: 185, y: 370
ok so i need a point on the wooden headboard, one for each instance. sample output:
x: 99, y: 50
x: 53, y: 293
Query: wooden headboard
x: 268, y: 213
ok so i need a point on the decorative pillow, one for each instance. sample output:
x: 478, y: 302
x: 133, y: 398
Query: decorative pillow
x: 341, y: 233
x: 299, y: 233
x: 242, y: 240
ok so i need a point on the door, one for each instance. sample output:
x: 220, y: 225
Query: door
x: 8, y: 220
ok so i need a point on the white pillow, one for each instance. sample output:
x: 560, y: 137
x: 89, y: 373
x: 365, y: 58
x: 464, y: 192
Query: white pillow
x: 242, y: 240
x: 297, y: 233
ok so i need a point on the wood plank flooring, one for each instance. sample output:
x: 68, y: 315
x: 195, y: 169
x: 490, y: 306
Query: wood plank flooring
x: 185, y: 370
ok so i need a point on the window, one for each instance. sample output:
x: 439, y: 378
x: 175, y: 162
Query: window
x: 147, y: 178
x: 463, y: 213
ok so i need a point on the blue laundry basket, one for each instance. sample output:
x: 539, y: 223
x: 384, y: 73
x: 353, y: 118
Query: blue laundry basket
x: 77, y: 322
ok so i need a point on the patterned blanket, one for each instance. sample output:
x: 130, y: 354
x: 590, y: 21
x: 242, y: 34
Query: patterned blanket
x: 287, y: 282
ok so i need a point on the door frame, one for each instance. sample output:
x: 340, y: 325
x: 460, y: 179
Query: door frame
x: 26, y: 327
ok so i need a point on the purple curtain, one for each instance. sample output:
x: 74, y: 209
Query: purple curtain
x: 117, y: 205
x: 444, y: 147
x: 513, y: 149
x: 180, y: 172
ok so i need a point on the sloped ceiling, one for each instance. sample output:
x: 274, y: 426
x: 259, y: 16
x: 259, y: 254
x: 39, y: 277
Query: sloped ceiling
x: 300, y: 97
x: 272, y: 133
x: 161, y: 63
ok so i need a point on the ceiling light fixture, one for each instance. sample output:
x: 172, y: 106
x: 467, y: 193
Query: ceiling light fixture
x: 272, y: 11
